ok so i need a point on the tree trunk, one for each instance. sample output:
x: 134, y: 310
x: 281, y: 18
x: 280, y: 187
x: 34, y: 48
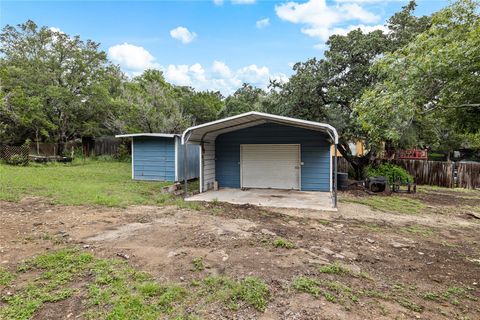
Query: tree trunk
x: 358, y: 163
x: 61, y: 144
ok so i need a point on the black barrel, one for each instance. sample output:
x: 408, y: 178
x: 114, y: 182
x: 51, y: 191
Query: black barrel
x: 342, y: 179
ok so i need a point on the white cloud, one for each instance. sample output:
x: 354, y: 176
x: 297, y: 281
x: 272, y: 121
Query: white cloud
x: 319, y: 19
x: 55, y: 29
x: 183, y: 34
x: 364, y: 28
x: 220, y: 77
x: 133, y: 59
x: 368, y: 1
x: 243, y: 1
x: 221, y: 69
x: 262, y: 23
x: 218, y: 2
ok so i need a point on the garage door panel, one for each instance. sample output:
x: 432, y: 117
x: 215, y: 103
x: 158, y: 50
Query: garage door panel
x: 270, y: 166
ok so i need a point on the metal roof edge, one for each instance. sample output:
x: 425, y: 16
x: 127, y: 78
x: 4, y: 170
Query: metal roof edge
x: 265, y: 115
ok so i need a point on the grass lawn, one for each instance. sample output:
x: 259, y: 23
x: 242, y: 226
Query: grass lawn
x: 80, y: 183
x: 393, y: 203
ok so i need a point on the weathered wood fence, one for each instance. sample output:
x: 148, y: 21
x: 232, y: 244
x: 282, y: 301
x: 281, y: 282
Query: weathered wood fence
x: 436, y: 173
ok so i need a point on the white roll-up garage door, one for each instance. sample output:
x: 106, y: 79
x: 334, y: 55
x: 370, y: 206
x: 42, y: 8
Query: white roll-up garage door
x: 270, y: 166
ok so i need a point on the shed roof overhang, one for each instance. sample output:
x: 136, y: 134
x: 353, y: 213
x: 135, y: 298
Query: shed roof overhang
x: 208, y: 132
x: 162, y: 135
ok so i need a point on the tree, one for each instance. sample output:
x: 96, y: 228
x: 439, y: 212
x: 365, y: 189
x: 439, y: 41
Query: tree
x: 245, y: 99
x: 326, y: 89
x: 203, y: 106
x: 51, y: 84
x: 429, y: 88
x: 147, y: 103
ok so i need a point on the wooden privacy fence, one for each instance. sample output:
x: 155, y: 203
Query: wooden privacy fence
x: 468, y: 175
x: 435, y: 173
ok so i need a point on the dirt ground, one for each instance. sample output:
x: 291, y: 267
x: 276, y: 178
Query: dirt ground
x: 404, y: 256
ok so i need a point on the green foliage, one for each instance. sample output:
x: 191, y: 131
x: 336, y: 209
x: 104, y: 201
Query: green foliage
x: 283, y: 243
x: 428, y: 93
x: 245, y: 99
x: 392, y: 172
x: 147, y: 103
x: 54, y: 86
x: 17, y: 160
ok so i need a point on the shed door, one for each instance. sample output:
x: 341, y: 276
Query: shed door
x: 274, y: 166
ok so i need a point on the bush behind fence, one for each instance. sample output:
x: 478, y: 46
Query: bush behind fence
x: 435, y: 173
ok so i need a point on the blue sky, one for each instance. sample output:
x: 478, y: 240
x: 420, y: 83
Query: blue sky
x: 213, y: 45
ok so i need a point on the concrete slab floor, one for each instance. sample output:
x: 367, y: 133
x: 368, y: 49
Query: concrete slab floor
x: 270, y: 198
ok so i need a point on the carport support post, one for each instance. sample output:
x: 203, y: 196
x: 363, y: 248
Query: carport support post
x: 185, y: 166
x: 335, y: 177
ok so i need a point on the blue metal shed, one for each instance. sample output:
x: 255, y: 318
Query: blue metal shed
x: 259, y: 150
x: 160, y: 157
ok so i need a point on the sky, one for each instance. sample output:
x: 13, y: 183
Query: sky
x: 210, y: 44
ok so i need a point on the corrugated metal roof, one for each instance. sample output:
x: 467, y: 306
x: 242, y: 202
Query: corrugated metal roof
x: 163, y: 135
x: 209, y: 131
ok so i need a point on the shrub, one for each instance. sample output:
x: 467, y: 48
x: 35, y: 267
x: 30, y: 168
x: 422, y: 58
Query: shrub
x: 392, y: 172
x: 17, y: 160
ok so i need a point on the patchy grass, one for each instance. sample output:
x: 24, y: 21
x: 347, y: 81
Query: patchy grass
x: 393, y: 203
x: 111, y: 289
x: 86, y: 182
x: 418, y: 229
x: 283, y: 243
x: 6, y: 277
x: 198, y: 264
x: 252, y: 291
x: 332, y: 291
x: 55, y: 282
x: 333, y: 268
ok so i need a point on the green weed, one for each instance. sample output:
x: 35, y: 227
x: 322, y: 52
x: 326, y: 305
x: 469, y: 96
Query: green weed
x: 6, y: 277
x: 334, y: 268
x: 198, y: 264
x: 283, y: 243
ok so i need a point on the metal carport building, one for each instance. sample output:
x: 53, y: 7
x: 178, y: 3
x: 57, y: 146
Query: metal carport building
x: 265, y: 151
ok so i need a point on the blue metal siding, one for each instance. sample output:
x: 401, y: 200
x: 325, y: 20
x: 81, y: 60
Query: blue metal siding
x: 193, y: 157
x: 315, y: 153
x: 154, y: 158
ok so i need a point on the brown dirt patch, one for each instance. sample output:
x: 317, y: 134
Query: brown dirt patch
x: 403, y: 255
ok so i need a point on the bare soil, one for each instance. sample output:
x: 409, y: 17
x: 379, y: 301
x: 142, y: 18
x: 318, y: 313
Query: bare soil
x: 403, y: 256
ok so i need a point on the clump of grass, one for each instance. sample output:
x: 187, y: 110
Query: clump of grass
x: 250, y: 290
x: 332, y: 291
x: 192, y: 205
x: 308, y: 285
x: 431, y: 296
x: 333, y: 268
x: 198, y: 264
x: 410, y: 305
x: 283, y: 243
x: 417, y: 229
x: 6, y: 277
